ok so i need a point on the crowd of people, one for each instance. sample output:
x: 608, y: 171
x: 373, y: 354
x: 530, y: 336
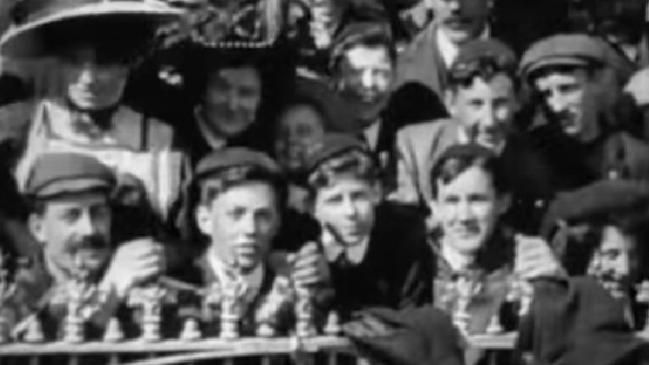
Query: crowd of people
x: 372, y: 154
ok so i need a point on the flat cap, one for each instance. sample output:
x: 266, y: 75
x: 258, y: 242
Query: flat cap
x: 563, y: 50
x: 54, y: 174
x: 329, y: 146
x: 221, y: 160
x: 599, y: 200
x: 481, y: 50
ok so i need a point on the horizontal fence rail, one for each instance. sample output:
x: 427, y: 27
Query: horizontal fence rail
x: 138, y: 352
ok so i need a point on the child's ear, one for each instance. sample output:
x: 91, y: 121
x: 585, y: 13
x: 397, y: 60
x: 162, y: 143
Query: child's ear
x: 36, y: 228
x: 203, y: 218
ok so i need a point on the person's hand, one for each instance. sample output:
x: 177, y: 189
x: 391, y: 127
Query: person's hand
x: 367, y: 326
x: 638, y: 87
x: 133, y: 263
x: 534, y: 259
x: 309, y: 266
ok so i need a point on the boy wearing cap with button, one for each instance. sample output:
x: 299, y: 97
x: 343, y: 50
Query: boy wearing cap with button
x: 482, y: 100
x: 71, y: 218
x: 577, y: 80
x: 241, y: 197
x: 377, y: 252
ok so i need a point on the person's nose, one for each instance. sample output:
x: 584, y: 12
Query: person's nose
x: 621, y: 266
x: 489, y: 117
x: 464, y: 211
x: 455, y: 6
x: 349, y: 208
x: 85, y: 225
x: 249, y: 225
x: 87, y: 72
x: 233, y: 100
x: 557, y: 102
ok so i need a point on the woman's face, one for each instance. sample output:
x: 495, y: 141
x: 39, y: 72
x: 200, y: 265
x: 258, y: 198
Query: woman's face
x: 299, y: 126
x: 91, y: 83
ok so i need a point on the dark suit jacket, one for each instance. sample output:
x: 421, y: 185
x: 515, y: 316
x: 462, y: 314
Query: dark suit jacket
x: 395, y: 271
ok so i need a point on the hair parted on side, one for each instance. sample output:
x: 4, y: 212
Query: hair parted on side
x: 209, y: 187
x: 459, y: 158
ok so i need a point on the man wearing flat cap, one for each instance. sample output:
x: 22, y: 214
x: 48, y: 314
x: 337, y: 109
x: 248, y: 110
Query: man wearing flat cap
x: 483, y: 74
x: 599, y: 232
x: 237, y: 208
x: 578, y: 127
x: 71, y: 218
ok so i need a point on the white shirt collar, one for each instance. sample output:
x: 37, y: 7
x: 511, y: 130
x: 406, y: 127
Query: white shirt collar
x: 332, y: 249
x: 455, y: 260
x: 253, y: 279
x: 450, y: 50
x: 371, y: 134
x: 214, y: 141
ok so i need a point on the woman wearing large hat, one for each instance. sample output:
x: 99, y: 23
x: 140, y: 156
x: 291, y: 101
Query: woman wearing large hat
x: 95, y: 44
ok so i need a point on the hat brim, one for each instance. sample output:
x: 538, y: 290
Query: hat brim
x: 26, y: 40
x: 73, y: 186
x: 548, y: 62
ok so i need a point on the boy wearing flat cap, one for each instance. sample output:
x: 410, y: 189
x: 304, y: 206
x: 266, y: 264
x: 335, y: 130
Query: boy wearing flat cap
x: 599, y: 231
x: 578, y: 126
x: 377, y: 252
x: 482, y: 100
x: 71, y: 218
x: 240, y: 201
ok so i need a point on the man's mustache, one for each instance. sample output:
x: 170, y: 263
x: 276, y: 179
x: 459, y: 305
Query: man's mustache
x: 90, y: 242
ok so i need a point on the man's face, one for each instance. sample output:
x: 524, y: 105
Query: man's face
x: 461, y: 20
x: 90, y: 82
x: 75, y: 233
x: 485, y: 109
x: 231, y: 100
x: 563, y: 95
x: 299, y: 127
x: 241, y: 222
x: 364, y: 79
x: 345, y: 209
x: 613, y: 263
x: 468, y: 208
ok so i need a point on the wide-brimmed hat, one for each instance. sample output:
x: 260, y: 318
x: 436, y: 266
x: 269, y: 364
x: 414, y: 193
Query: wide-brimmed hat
x: 37, y: 23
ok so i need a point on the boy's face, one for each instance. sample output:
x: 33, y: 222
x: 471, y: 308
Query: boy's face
x: 299, y: 127
x: 241, y: 222
x: 75, y: 233
x: 90, y: 82
x: 563, y: 95
x: 364, y: 78
x: 231, y: 100
x: 345, y: 209
x: 614, y: 263
x: 485, y: 109
x: 468, y: 208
